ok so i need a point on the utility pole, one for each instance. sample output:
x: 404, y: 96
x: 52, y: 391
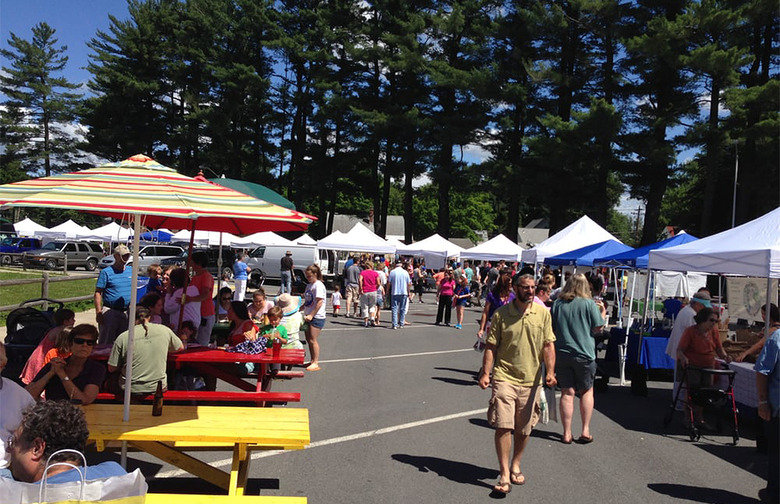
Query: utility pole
x: 636, y: 223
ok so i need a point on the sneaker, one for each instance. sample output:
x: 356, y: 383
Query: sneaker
x: 458, y: 326
x: 395, y: 327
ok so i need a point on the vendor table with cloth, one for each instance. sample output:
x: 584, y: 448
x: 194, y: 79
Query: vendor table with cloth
x: 653, y: 354
x: 745, y: 392
x: 192, y: 428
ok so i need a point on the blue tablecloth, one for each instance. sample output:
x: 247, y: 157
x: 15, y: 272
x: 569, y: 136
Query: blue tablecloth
x: 653, y: 348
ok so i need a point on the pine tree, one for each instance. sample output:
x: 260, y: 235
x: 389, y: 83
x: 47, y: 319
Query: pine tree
x: 40, y: 104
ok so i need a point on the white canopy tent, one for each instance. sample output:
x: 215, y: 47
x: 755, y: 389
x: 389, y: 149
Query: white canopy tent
x: 305, y: 239
x: 496, y: 249
x: 258, y: 239
x: 28, y: 227
x: 752, y: 249
x: 67, y: 229
x: 203, y: 238
x: 434, y: 249
x: 357, y: 239
x: 111, y: 232
x: 578, y: 234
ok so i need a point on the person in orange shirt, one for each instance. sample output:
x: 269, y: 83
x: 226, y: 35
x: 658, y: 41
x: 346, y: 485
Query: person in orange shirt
x: 61, y: 347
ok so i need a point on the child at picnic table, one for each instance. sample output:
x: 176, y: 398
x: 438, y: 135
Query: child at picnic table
x: 61, y: 347
x: 260, y: 306
x: 63, y: 318
x: 292, y: 319
x: 273, y: 330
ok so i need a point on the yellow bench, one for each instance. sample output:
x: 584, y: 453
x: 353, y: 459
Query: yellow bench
x: 161, y: 498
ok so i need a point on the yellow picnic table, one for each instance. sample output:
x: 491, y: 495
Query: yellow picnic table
x: 191, y: 428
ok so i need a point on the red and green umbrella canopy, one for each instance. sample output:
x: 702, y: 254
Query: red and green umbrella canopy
x: 140, y: 185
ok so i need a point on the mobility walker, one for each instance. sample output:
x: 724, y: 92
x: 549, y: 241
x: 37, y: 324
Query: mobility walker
x: 710, y: 389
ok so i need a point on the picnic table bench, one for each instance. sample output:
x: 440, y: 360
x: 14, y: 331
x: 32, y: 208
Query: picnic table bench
x: 261, y: 398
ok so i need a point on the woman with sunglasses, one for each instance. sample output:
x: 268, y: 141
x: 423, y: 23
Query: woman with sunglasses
x: 697, y: 349
x: 74, y: 378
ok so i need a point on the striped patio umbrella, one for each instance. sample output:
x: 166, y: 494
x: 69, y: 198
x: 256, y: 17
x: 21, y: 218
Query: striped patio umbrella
x: 164, y: 198
x: 156, y: 196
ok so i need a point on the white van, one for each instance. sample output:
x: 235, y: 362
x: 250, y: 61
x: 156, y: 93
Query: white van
x: 265, y: 262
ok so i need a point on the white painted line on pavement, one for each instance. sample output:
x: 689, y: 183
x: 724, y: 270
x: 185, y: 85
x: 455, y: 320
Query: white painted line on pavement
x: 341, y: 439
x: 397, y: 356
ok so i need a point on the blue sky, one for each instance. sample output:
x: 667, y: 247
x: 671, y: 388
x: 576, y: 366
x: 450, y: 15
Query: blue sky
x: 75, y: 22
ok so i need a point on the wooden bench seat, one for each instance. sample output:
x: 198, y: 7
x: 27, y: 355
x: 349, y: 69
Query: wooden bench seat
x: 214, y: 396
x: 164, y: 498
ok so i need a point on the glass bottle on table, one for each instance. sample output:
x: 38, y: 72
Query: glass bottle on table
x: 157, y: 404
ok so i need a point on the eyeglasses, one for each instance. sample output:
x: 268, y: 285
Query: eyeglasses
x: 125, y: 257
x: 713, y: 320
x: 226, y: 298
x: 82, y: 341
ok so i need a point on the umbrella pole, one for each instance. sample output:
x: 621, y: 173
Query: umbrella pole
x: 131, y: 317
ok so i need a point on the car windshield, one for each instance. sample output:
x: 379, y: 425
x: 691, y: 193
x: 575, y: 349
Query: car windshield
x: 9, y: 241
x: 53, y: 246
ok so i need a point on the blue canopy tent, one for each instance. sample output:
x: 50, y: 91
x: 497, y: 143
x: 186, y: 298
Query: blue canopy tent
x: 637, y: 259
x: 157, y: 235
x: 585, y: 256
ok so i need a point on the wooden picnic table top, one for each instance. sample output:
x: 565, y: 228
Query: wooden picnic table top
x: 286, y: 428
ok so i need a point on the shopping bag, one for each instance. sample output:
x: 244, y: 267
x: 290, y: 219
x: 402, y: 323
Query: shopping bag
x: 543, y: 407
x: 128, y: 488
x: 552, y: 403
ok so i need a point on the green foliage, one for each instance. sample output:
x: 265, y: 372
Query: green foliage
x: 470, y: 211
x: 622, y: 227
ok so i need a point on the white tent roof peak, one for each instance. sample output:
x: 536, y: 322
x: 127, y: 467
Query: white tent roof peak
x: 497, y: 248
x: 580, y: 233
x: 28, y: 227
x: 358, y: 239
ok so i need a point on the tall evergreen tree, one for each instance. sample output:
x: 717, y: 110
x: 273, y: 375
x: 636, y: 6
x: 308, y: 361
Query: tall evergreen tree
x: 39, y: 103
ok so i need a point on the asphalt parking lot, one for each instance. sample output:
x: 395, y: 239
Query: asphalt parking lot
x: 397, y: 417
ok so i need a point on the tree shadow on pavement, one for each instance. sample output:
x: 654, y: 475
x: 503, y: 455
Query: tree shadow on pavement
x: 459, y: 472
x: 701, y: 494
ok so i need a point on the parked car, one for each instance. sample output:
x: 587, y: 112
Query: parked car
x: 147, y: 255
x: 16, y: 245
x: 228, y: 258
x: 53, y: 254
x: 264, y: 262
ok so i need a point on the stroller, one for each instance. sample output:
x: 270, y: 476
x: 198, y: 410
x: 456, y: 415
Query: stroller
x: 716, y: 397
x: 26, y: 328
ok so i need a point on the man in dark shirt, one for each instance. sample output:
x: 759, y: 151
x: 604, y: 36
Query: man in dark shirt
x: 353, y: 288
x: 286, y: 268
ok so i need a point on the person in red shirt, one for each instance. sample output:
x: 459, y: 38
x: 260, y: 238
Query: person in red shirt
x: 203, y: 280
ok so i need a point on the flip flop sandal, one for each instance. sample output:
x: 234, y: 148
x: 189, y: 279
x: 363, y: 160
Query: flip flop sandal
x: 503, y: 487
x: 517, y: 478
x: 585, y: 440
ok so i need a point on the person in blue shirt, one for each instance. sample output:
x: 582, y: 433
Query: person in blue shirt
x: 112, y: 296
x: 767, y: 369
x: 240, y: 276
x: 46, y: 428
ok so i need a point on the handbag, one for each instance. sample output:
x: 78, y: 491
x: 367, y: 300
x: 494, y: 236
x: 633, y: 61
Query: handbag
x: 128, y: 488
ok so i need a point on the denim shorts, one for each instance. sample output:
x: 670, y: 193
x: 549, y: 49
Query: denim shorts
x: 319, y: 323
x: 574, y: 372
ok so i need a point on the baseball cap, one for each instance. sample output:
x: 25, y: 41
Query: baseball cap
x: 121, y: 250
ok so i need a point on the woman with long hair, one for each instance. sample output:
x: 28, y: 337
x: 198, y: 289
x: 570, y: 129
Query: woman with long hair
x: 76, y: 377
x: 151, y: 345
x: 575, y: 317
x: 444, y: 296
x: 314, y: 312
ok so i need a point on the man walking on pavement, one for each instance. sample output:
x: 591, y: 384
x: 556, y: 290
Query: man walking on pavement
x: 285, y: 272
x: 353, y: 288
x: 399, y: 288
x: 520, y: 338
x: 112, y: 296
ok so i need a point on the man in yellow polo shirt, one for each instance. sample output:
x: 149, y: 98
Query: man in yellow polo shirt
x: 520, y: 339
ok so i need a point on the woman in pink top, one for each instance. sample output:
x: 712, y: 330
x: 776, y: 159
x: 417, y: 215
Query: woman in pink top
x: 369, y: 283
x: 444, y: 296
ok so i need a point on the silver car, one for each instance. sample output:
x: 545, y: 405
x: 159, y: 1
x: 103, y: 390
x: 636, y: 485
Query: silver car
x: 147, y: 255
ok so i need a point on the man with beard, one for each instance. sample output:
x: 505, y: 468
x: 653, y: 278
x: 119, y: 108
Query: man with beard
x: 520, y: 338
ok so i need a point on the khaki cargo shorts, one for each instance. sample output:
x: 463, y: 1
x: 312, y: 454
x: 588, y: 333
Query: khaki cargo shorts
x: 514, y: 407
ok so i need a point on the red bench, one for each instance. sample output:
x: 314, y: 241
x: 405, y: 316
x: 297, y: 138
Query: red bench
x: 260, y: 398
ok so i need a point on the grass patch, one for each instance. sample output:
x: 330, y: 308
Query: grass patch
x: 13, y: 295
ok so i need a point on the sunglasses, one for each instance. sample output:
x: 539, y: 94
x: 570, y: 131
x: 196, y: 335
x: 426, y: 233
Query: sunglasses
x: 82, y: 341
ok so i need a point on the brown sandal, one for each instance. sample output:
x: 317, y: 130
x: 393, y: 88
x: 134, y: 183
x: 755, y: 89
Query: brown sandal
x: 503, y: 487
x: 517, y: 478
